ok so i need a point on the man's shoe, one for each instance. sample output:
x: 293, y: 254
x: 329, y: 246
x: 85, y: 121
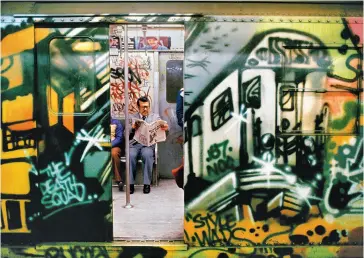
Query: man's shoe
x: 146, y: 189
x: 121, y: 186
x: 131, y: 189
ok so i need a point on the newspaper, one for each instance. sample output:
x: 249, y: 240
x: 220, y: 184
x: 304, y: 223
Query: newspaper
x: 149, y: 134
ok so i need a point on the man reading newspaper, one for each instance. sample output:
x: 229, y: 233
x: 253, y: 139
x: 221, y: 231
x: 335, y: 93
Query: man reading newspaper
x: 149, y: 134
x: 142, y: 143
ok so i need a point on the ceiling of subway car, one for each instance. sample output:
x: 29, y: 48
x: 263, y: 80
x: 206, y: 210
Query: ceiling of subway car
x: 203, y: 7
x: 196, y: 1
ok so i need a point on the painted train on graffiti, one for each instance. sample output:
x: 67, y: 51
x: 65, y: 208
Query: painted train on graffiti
x: 274, y: 139
x: 273, y: 128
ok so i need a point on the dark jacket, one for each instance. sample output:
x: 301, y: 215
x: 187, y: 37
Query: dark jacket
x: 179, y: 108
x: 117, y: 142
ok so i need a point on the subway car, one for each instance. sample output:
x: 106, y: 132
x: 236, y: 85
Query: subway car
x: 268, y: 160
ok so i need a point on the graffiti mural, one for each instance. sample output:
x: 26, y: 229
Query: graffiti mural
x: 18, y: 140
x: 141, y: 74
x: 174, y: 251
x: 52, y: 130
x: 274, y: 125
x: 273, y: 142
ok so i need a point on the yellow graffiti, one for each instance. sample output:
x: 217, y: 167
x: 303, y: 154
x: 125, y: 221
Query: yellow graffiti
x: 68, y: 105
x: 205, y: 229
x: 14, y: 74
x: 18, y: 115
x: 321, y: 31
x: 86, y: 46
x: 116, y: 249
x: 318, y: 228
x: 21, y: 153
x: 339, y: 65
x: 53, y: 109
x: 41, y: 33
x: 17, y: 42
x: 15, y: 172
x: 20, y: 109
x: 6, y: 216
x: 68, y: 108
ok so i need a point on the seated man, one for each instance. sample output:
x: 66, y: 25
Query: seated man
x: 136, y: 149
x: 116, y: 145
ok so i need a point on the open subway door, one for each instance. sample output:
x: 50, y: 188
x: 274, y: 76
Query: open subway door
x: 154, y: 57
x: 72, y: 188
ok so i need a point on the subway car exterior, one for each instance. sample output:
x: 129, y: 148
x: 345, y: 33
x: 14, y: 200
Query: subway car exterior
x: 272, y: 138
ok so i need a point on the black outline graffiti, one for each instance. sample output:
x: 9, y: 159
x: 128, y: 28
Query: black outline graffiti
x: 252, y: 92
x: 221, y: 108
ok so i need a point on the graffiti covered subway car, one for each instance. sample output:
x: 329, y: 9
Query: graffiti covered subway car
x: 273, y: 147
x: 265, y: 131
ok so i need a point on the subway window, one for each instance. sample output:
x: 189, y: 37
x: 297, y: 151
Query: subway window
x: 174, y: 79
x: 72, y: 75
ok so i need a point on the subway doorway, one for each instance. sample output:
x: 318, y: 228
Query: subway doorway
x: 155, y: 55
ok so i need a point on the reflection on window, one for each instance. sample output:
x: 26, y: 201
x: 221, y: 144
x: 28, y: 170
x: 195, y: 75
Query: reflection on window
x: 196, y: 126
x: 221, y: 109
x: 72, y: 75
x: 174, y: 79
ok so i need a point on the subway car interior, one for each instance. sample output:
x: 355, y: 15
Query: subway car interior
x: 155, y: 59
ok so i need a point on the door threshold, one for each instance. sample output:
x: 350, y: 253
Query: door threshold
x: 166, y: 244
x: 177, y: 245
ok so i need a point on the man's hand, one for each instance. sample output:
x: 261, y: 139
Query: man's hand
x: 135, y: 125
x: 164, y: 127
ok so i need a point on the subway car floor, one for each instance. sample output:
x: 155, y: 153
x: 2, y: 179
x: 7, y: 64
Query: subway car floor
x: 154, y: 216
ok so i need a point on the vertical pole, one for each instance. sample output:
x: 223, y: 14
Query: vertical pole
x: 126, y: 110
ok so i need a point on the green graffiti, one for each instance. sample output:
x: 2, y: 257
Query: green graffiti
x: 350, y: 111
x: 220, y: 161
x: 331, y: 145
x: 61, y: 187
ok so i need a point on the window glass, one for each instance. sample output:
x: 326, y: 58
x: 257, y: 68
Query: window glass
x: 174, y: 79
x: 72, y: 75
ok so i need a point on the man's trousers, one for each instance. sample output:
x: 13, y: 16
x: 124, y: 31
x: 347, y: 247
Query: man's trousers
x: 147, y: 154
